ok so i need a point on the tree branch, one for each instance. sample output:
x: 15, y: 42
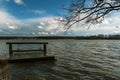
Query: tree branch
x: 92, y: 14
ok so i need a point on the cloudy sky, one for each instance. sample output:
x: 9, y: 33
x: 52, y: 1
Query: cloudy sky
x: 38, y: 18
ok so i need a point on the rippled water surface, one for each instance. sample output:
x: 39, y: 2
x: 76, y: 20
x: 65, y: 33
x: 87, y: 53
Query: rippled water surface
x: 76, y: 60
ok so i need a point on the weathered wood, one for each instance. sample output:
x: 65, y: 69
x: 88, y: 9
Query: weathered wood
x: 45, y: 58
x: 10, y: 50
x: 27, y: 43
x: 45, y: 51
x: 25, y: 50
x: 40, y: 43
x: 16, y: 60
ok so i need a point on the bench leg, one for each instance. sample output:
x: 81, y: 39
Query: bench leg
x: 45, y: 51
x: 10, y: 50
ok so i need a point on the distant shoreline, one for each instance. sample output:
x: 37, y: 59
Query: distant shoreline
x: 60, y: 37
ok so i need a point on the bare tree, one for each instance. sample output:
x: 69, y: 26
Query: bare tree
x: 89, y: 11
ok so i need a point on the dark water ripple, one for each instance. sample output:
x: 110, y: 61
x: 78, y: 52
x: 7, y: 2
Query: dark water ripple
x: 76, y: 60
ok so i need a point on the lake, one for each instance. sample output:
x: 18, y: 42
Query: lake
x: 76, y: 60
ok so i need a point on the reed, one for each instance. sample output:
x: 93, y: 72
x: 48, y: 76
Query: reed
x: 4, y: 73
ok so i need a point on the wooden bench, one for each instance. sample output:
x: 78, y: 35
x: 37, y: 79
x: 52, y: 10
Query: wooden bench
x: 11, y: 50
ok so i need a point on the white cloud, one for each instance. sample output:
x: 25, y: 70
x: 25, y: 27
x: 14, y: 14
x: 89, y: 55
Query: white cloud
x: 19, y: 2
x: 51, y: 26
x: 41, y: 23
x: 6, y: 18
x: 43, y: 26
x: 13, y: 27
x: 43, y: 33
x: 49, y: 23
x: 10, y: 26
x: 38, y: 11
x: 106, y: 21
x: 40, y: 27
x: 7, y: 21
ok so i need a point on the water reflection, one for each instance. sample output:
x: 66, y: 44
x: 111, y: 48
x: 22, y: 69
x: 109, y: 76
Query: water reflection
x: 76, y: 60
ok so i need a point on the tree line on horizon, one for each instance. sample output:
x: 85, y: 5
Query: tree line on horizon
x: 99, y: 36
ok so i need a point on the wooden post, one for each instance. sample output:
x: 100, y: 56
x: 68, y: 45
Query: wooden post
x: 45, y: 51
x: 4, y: 74
x: 10, y: 50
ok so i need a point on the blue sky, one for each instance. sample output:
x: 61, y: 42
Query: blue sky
x: 34, y: 8
x: 38, y: 18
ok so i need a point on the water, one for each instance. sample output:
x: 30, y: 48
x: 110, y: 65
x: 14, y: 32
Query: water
x: 76, y: 60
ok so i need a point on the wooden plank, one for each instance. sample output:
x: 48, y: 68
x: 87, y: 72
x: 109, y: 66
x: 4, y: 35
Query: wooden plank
x: 22, y: 60
x: 47, y: 58
x: 27, y: 43
x: 25, y: 50
x: 40, y: 43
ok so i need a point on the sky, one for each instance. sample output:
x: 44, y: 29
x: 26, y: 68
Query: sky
x: 39, y: 18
